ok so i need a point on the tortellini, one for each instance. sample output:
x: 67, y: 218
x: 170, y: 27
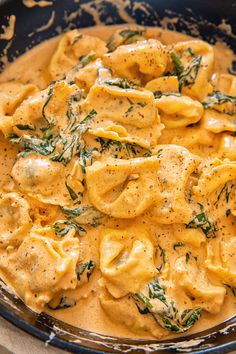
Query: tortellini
x: 15, y: 219
x: 72, y: 47
x: 126, y: 189
x: 49, y: 106
x: 215, y: 174
x: 178, y: 111
x: 12, y: 95
x: 221, y: 261
x: 176, y: 164
x: 46, y: 180
x: 206, y: 295
x: 146, y: 59
x: 127, y: 115
x: 227, y: 147
x: 220, y: 113
x: 126, y: 260
x: 123, y: 188
x: 198, y: 60
x: 41, y: 267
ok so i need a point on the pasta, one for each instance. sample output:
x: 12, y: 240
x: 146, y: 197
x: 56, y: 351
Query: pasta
x: 117, y: 196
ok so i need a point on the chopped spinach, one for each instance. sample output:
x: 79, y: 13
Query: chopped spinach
x: 49, y: 96
x: 168, y: 317
x: 122, y: 83
x: 186, y: 75
x: 24, y: 127
x: 232, y: 288
x: 62, y: 227
x: 218, y: 98
x: 202, y: 221
x: 178, y: 244
x: 87, y: 267
x: 64, y: 303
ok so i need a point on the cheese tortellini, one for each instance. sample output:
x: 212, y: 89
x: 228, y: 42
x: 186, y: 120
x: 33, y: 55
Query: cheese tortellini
x: 46, y: 180
x: 127, y: 260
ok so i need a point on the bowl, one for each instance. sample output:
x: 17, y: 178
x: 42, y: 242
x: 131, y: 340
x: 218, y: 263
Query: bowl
x: 204, y: 19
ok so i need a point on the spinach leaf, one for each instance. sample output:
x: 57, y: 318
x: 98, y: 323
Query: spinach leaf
x: 202, y: 221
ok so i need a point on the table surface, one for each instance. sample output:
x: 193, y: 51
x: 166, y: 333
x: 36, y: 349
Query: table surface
x: 14, y: 340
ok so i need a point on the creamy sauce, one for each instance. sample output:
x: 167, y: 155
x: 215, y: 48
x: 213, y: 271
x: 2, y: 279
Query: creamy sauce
x: 32, y: 68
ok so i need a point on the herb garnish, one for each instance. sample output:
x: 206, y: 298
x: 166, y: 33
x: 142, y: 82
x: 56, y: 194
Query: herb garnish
x: 62, y: 227
x: 122, y: 83
x: 218, y: 98
x: 178, y: 244
x: 65, y: 302
x: 203, y: 222
x: 169, y: 318
x: 87, y: 267
x: 186, y: 75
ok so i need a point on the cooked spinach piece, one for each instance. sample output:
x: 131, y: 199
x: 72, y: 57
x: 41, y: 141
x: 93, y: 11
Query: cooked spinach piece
x: 177, y: 62
x: 91, y: 216
x: 24, y: 127
x: 186, y: 75
x: 62, y: 227
x: 169, y: 318
x: 86, y: 59
x: 87, y: 267
x: 162, y: 256
x: 49, y: 96
x: 122, y: 83
x: 232, y: 288
x: 219, y: 98
x: 128, y: 33
x: 115, y: 146
x: 159, y: 94
x: 72, y: 193
x: 178, y: 244
x: 64, y: 303
x: 202, y: 221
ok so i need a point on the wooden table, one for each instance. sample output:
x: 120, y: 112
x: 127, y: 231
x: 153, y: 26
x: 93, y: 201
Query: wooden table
x: 14, y: 340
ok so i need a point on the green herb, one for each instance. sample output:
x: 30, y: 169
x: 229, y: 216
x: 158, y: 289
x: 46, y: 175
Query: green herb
x: 89, y: 215
x: 87, y: 267
x: 159, y: 94
x: 65, y: 302
x: 123, y: 37
x: 24, y: 127
x: 227, y: 213
x: 116, y: 146
x: 187, y: 257
x: 162, y: 256
x: 178, y: 244
x: 122, y: 83
x: 128, y: 33
x: 86, y: 59
x: 225, y: 190
x: 86, y: 157
x: 232, y: 288
x: 203, y: 222
x: 90, y: 116
x: 62, y: 227
x: 49, y: 96
x: 76, y: 39
x: 73, y: 195
x: 168, y: 318
x: 186, y: 75
x: 219, y: 98
x: 177, y: 62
